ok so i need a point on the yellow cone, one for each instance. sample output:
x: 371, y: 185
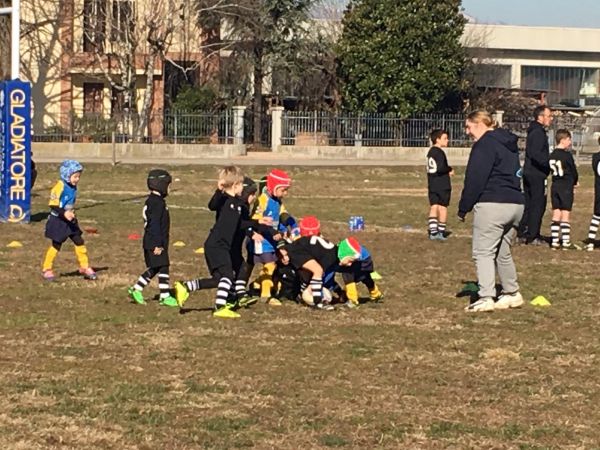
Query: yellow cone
x: 199, y: 250
x: 540, y: 300
x: 179, y: 244
x: 14, y: 244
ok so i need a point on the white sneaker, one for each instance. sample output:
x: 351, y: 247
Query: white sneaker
x: 506, y: 301
x: 485, y: 304
x: 590, y: 247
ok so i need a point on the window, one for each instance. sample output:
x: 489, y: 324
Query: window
x: 565, y: 85
x: 94, y: 25
x: 122, y: 21
x: 93, y: 96
x: 492, y: 75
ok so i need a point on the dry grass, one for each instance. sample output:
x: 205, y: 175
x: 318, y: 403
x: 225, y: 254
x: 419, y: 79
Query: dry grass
x: 84, y: 368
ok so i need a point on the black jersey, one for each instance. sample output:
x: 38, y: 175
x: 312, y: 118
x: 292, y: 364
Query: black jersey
x: 313, y: 247
x: 156, y: 223
x: 232, y: 225
x: 286, y: 281
x: 596, y: 168
x: 563, y: 169
x: 438, y: 170
x: 217, y: 201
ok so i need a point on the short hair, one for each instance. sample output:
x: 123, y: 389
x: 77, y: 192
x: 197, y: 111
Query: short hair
x: 539, y: 111
x: 482, y: 116
x: 437, y: 134
x: 561, y: 134
x: 230, y: 175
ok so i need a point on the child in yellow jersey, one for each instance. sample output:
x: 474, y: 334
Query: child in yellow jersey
x: 62, y: 223
x: 270, y: 204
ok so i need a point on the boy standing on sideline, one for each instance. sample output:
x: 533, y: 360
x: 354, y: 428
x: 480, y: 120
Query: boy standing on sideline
x: 595, y: 223
x: 157, y: 224
x: 438, y: 184
x: 564, y: 181
x: 62, y: 223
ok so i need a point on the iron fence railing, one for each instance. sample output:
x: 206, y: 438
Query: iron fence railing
x: 168, y: 127
x: 356, y: 129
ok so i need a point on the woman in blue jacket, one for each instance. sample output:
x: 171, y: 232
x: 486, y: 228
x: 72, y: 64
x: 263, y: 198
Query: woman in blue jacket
x: 492, y: 190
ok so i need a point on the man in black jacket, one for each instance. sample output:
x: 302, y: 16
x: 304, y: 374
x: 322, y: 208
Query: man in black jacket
x: 535, y: 172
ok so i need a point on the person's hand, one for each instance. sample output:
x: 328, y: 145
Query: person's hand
x: 158, y: 250
x: 70, y: 215
x: 257, y: 237
x: 277, y: 237
x: 576, y: 186
x: 451, y: 173
x: 266, y: 220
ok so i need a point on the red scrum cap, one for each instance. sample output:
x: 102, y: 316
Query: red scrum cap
x: 277, y: 178
x: 310, y: 226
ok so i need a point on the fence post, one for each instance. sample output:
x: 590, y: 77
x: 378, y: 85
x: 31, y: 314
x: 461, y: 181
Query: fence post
x: 114, y: 148
x: 238, y: 124
x: 276, y: 127
x: 499, y: 118
x: 175, y: 126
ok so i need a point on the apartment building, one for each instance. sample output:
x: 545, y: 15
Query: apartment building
x: 103, y: 58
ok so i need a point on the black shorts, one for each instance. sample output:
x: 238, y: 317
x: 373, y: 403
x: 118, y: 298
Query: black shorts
x: 562, y: 198
x: 155, y: 261
x: 59, y: 230
x: 441, y: 198
x: 597, y: 205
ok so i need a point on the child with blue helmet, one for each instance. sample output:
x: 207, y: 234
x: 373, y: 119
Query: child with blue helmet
x: 62, y: 223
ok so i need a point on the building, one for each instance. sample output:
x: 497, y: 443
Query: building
x: 109, y: 58
x: 563, y: 62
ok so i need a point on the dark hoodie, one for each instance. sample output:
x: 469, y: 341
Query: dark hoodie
x: 493, y: 172
x: 537, y: 152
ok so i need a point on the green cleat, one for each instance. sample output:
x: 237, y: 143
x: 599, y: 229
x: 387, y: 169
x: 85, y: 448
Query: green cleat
x: 169, y: 301
x: 226, y: 312
x: 181, y: 293
x: 136, y: 296
x: 246, y: 301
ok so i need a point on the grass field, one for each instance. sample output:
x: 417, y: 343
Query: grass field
x: 83, y: 368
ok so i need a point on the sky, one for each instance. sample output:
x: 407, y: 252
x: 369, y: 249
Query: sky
x: 552, y: 13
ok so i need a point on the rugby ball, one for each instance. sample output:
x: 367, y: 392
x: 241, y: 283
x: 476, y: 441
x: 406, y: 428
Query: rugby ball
x: 307, y: 296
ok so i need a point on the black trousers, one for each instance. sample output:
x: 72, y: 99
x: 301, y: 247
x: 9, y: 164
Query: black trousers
x: 535, y: 206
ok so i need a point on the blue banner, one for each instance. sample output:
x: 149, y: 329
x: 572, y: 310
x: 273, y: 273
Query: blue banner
x: 15, y: 151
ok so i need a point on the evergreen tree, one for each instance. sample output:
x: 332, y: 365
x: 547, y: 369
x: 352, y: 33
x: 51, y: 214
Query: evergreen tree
x: 401, y: 56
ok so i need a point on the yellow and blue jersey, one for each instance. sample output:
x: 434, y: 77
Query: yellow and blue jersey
x: 268, y: 206
x: 63, y: 195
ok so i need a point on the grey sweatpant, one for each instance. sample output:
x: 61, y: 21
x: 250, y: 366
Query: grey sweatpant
x: 494, y: 228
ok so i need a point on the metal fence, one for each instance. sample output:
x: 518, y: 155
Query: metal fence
x: 169, y: 127
x: 381, y: 130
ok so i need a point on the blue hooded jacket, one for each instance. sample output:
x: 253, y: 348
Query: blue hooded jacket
x: 493, y: 172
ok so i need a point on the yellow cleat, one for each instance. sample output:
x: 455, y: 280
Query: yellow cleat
x: 375, y: 296
x: 274, y: 302
x: 226, y: 312
x: 181, y: 293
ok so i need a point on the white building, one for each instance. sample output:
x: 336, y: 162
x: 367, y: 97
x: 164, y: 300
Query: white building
x: 564, y: 62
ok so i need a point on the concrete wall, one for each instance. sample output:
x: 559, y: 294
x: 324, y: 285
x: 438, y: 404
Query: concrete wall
x: 131, y: 151
x: 405, y: 154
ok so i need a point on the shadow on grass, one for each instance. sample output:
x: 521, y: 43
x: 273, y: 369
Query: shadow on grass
x: 76, y: 273
x: 189, y: 310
